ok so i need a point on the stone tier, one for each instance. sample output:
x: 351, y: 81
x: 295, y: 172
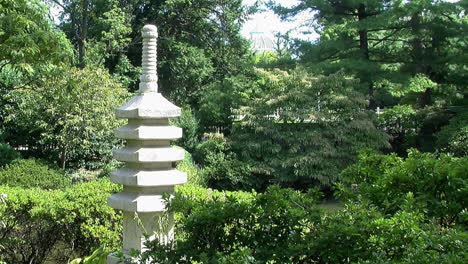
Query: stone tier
x: 148, y: 132
x: 148, y: 106
x: 137, y: 202
x: 139, y: 177
x: 149, y: 154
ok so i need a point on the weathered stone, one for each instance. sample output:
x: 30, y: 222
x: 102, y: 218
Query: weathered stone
x: 149, y: 157
x: 135, y: 177
x: 148, y: 105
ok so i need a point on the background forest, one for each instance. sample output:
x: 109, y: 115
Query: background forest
x: 372, y: 116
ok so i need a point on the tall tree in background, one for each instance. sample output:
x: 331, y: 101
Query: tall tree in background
x: 199, y: 40
x: 53, y: 110
x: 404, y: 53
x: 99, y: 29
x: 29, y: 44
x: 347, y: 30
x: 395, y: 48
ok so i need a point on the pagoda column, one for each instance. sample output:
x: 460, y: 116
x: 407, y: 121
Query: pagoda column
x: 149, y: 158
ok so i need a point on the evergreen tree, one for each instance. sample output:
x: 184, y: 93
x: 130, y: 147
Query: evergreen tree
x: 397, y: 49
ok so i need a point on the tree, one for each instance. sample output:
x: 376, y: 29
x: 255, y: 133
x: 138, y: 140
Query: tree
x: 28, y: 38
x: 69, y: 116
x: 199, y: 43
x: 412, y: 49
x: 99, y: 29
x: 303, y: 130
x: 28, y: 43
x: 346, y: 29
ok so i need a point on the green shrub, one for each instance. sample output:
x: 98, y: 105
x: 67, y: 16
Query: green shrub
x: 109, y: 167
x: 302, y: 130
x: 285, y: 226
x: 188, y: 166
x: 439, y: 184
x: 50, y: 118
x: 228, y: 225
x: 7, y: 154
x: 99, y: 256
x: 360, y: 233
x: 67, y: 223
x: 189, y: 124
x: 32, y: 173
x: 221, y: 169
x: 402, y: 123
x: 453, y: 138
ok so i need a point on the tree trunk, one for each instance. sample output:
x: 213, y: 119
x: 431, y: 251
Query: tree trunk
x: 63, y: 157
x: 419, y: 67
x: 82, y: 32
x: 364, y: 47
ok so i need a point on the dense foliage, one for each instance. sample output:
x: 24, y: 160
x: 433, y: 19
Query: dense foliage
x: 7, y: 154
x: 286, y: 226
x: 381, y: 75
x: 221, y: 168
x: 453, y: 138
x: 56, y: 224
x: 439, y: 185
x: 68, y: 116
x: 303, y: 130
x: 31, y: 173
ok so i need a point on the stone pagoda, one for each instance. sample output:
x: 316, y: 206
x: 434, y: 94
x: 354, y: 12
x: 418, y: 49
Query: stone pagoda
x: 149, y: 172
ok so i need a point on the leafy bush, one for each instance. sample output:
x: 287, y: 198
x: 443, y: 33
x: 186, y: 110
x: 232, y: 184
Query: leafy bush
x: 7, y: 154
x: 360, y: 233
x: 99, y: 256
x: 221, y: 97
x: 414, y: 128
x: 221, y: 169
x: 67, y: 117
x: 229, y: 225
x: 189, y: 124
x: 31, y: 173
x: 303, y: 130
x: 66, y: 222
x: 402, y: 123
x: 285, y: 226
x: 453, y: 138
x: 188, y: 166
x: 439, y: 185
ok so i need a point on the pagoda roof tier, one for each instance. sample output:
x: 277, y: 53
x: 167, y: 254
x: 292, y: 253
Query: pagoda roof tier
x: 144, y: 132
x: 148, y: 105
x: 136, y: 202
x: 149, y: 154
x: 142, y: 178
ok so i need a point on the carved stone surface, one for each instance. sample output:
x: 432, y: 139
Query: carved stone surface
x: 149, y: 157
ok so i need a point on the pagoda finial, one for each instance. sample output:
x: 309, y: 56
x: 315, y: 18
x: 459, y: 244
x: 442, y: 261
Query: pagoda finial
x: 149, y: 75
